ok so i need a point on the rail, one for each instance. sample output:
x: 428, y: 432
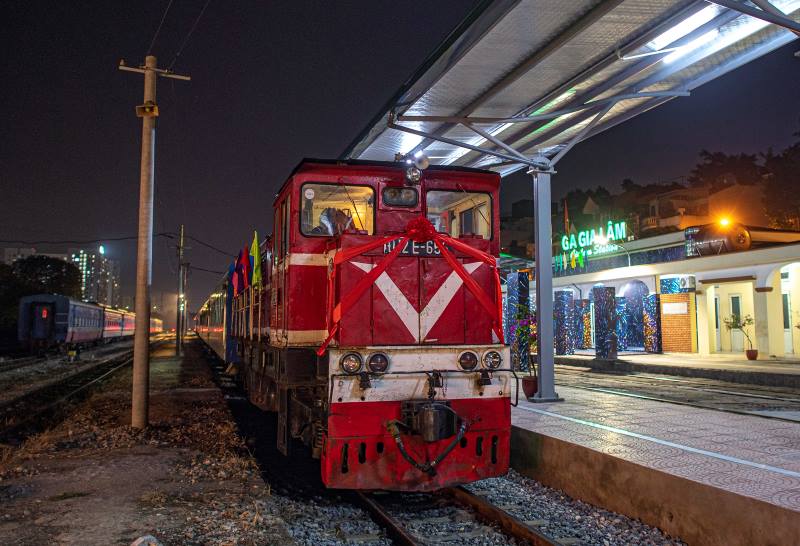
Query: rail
x: 483, y: 511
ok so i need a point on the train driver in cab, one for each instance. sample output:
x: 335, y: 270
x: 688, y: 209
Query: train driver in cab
x: 333, y: 221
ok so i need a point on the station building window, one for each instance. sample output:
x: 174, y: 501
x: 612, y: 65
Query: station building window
x: 460, y: 213
x: 333, y: 209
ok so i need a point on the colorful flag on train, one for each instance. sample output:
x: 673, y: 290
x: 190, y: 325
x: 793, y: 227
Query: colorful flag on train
x: 255, y: 260
x: 234, y: 273
x: 237, y: 275
x: 247, y: 269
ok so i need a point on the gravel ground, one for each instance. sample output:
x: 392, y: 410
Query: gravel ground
x: 187, y: 480
x: 562, y: 517
x: 328, y: 520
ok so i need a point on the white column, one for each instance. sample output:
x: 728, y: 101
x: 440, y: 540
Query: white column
x: 543, y: 237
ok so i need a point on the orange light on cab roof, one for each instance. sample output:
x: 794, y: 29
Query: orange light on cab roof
x: 724, y: 222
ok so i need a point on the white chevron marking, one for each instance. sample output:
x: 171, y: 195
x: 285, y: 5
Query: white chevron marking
x: 426, y: 320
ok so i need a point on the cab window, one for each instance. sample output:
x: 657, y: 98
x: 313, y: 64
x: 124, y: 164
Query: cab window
x: 332, y: 209
x: 460, y: 213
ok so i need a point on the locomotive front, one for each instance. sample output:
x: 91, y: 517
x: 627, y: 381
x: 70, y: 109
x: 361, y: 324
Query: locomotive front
x: 419, y: 381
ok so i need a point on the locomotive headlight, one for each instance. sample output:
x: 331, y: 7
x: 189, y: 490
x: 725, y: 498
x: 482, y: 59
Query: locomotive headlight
x: 378, y: 362
x: 351, y: 362
x: 492, y: 360
x: 413, y: 174
x: 468, y: 360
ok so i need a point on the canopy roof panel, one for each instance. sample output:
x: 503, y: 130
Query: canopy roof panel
x: 567, y: 63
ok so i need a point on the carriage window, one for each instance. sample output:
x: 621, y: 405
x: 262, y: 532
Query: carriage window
x: 400, y: 197
x: 333, y: 209
x: 459, y: 213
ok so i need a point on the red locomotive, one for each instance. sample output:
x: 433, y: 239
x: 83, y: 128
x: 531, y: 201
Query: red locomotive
x: 375, y: 330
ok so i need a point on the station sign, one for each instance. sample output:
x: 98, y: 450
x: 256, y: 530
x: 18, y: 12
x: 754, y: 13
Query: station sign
x: 599, y: 240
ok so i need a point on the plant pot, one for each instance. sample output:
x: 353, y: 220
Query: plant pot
x: 752, y: 354
x: 530, y: 384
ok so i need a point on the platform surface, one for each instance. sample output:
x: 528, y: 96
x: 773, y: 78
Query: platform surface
x: 748, y: 455
x: 722, y: 362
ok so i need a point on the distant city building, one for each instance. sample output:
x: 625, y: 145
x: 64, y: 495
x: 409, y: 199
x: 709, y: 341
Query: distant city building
x: 99, y: 276
x: 12, y: 254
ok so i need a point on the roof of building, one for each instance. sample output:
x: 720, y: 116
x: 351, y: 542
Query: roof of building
x: 533, y: 76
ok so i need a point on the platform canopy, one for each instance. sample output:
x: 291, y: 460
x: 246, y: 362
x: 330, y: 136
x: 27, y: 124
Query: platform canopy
x: 524, y: 78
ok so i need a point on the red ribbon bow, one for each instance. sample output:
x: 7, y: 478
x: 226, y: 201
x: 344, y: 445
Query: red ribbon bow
x: 419, y: 230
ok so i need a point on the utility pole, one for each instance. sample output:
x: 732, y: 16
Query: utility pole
x: 181, y: 297
x: 144, y: 249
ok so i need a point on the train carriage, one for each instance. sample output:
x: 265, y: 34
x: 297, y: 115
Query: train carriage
x: 128, y: 324
x: 156, y: 325
x: 112, y: 324
x: 50, y: 320
x: 375, y: 333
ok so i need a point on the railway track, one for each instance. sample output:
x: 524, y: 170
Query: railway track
x: 720, y: 396
x: 448, y: 516
x: 8, y: 365
x: 15, y: 363
x: 25, y: 414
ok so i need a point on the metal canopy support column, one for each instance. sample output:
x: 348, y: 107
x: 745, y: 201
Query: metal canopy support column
x: 543, y: 277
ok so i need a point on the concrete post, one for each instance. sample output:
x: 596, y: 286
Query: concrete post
x: 144, y: 251
x: 180, y: 303
x: 543, y: 237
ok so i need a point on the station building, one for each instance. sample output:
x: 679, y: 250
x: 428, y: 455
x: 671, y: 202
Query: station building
x: 672, y: 292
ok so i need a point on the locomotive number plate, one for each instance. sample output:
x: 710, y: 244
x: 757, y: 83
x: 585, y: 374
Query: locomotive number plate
x: 427, y: 248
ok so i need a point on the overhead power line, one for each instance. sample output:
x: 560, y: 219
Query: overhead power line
x: 163, y: 17
x: 189, y: 35
x: 205, y: 270
x: 167, y: 234
x: 212, y: 247
x: 82, y: 242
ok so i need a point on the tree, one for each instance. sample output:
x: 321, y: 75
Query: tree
x: 718, y: 170
x: 781, y: 200
x: 630, y: 185
x: 46, y: 275
x: 11, y: 290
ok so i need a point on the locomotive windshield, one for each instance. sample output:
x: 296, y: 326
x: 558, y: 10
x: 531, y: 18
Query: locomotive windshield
x: 333, y: 209
x: 459, y: 213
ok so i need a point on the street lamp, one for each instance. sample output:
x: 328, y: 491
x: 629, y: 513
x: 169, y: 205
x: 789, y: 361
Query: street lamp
x: 602, y: 240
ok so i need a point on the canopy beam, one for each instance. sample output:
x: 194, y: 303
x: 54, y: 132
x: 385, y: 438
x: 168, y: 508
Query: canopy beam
x: 512, y: 154
x: 546, y: 116
x: 765, y: 11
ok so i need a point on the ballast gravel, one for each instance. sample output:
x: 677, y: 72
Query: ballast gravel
x: 563, y: 518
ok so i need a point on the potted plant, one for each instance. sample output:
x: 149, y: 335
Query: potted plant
x: 525, y: 339
x: 743, y: 324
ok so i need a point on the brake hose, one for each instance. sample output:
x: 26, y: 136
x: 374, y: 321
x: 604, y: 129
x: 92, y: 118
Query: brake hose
x: 427, y: 468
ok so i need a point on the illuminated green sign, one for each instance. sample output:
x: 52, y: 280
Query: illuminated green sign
x: 596, y: 241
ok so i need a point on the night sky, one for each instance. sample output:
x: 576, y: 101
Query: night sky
x: 273, y: 82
